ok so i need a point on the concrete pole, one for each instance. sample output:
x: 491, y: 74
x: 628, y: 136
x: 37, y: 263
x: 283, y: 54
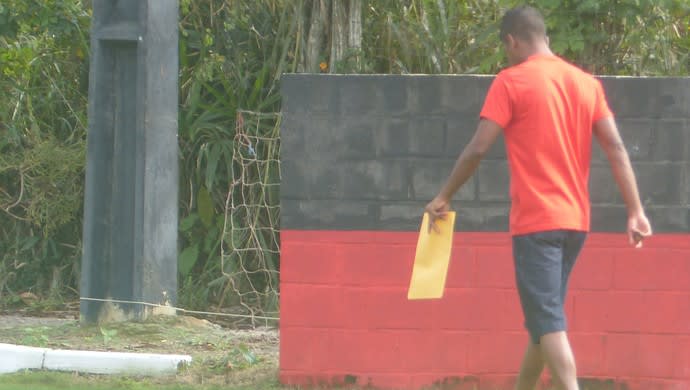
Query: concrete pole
x: 130, y: 206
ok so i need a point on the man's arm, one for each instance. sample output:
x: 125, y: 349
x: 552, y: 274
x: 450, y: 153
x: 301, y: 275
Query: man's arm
x: 610, y: 140
x: 467, y: 163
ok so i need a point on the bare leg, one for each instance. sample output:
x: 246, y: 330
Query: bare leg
x: 532, y: 366
x: 556, y: 351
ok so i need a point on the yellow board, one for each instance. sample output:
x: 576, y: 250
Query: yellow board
x: 432, y: 258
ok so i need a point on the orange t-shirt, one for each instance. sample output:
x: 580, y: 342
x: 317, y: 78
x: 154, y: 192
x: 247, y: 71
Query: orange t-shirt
x: 546, y: 108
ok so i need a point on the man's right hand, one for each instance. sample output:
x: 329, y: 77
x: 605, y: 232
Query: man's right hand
x: 437, y: 209
x: 638, y: 229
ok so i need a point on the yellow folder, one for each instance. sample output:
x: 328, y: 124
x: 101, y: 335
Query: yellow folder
x: 432, y: 258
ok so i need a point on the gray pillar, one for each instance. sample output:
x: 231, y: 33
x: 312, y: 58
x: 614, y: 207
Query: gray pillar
x: 130, y: 206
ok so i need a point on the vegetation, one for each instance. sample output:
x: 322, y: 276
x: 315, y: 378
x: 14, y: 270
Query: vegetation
x: 232, y: 53
x: 220, y: 356
x: 70, y: 381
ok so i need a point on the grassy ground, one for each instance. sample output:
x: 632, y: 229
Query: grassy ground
x: 54, y: 381
x: 221, y: 358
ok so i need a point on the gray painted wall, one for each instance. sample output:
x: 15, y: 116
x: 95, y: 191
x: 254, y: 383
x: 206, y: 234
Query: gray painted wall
x: 367, y: 152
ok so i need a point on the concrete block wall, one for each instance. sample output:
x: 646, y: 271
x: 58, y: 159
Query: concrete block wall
x: 361, y: 157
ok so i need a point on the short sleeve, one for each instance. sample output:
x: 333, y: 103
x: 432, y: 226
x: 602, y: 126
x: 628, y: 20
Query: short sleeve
x: 497, y: 105
x: 601, y: 106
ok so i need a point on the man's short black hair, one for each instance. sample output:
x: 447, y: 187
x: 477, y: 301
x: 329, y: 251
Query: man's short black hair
x: 523, y: 22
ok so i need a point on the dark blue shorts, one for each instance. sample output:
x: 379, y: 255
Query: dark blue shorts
x: 543, y: 262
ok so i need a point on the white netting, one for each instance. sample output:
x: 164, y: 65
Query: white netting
x: 250, y: 248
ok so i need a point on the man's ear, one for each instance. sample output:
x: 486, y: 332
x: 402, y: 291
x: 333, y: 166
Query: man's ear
x: 510, y: 41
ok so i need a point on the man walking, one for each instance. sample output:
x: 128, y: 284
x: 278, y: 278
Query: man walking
x: 548, y: 111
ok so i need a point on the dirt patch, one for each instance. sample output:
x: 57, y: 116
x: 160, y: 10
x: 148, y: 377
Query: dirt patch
x: 14, y: 321
x: 219, y: 355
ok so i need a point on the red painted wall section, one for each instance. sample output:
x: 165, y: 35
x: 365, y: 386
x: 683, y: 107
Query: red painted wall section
x: 345, y: 317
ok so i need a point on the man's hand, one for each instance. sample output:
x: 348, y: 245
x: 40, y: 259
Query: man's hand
x: 437, y: 209
x: 638, y: 229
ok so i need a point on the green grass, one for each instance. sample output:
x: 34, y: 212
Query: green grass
x: 221, y: 358
x: 55, y: 381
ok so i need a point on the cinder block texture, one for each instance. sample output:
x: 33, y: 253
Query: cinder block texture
x: 345, y: 317
x: 362, y: 155
x: 369, y: 151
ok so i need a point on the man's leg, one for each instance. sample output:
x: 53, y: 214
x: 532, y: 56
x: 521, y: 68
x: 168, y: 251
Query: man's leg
x: 541, y: 278
x: 556, y: 351
x: 555, y: 347
x: 532, y: 366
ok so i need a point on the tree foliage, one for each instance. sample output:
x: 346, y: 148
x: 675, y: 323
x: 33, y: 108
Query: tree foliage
x: 43, y: 91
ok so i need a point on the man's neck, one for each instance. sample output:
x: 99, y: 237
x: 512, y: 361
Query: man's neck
x: 540, y: 49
